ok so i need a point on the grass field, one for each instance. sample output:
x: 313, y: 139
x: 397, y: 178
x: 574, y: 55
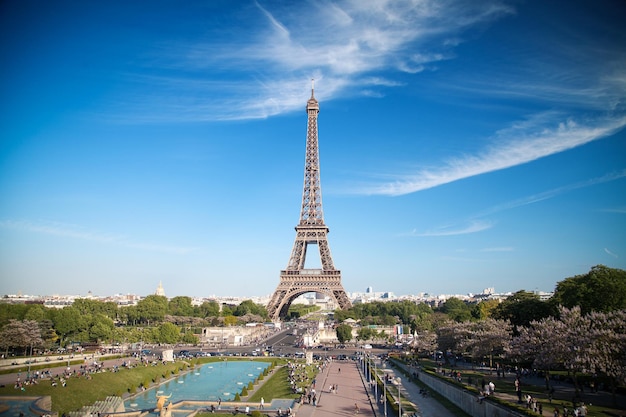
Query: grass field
x: 85, y: 390
x: 82, y: 390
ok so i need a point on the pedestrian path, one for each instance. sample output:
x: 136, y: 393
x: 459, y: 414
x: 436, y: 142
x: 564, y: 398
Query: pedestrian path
x: 351, y: 389
x: 341, y: 401
x: 426, y: 405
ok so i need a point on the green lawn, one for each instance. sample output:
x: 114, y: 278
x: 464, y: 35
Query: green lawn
x: 82, y: 391
x: 277, y: 385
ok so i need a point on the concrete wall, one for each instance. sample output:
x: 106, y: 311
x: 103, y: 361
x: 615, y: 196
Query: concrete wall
x: 466, y: 400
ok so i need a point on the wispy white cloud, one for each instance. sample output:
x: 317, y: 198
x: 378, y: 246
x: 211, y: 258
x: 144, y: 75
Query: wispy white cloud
x: 545, y: 195
x: 499, y: 249
x: 517, y: 145
x: 74, y: 232
x: 264, y: 70
x: 462, y: 259
x: 478, y: 224
x: 472, y: 227
x: 611, y: 253
x: 620, y: 210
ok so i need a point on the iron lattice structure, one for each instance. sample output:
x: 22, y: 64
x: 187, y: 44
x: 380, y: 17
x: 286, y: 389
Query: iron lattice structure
x: 296, y: 280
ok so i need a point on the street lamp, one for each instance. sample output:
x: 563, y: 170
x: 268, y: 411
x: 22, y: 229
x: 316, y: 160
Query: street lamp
x: 399, y: 398
x: 385, y: 394
x: 30, y: 359
x: 375, y: 382
x: 363, y: 360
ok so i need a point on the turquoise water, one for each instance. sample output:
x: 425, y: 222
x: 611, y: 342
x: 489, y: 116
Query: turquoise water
x: 209, y: 383
x: 18, y: 406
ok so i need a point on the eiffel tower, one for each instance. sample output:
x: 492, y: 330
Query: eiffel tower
x: 295, y: 280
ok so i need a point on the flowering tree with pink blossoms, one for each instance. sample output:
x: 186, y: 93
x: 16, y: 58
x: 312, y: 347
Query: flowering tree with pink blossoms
x: 480, y: 339
x: 593, y: 344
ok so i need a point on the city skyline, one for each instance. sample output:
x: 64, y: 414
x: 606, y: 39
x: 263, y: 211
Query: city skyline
x: 463, y: 145
x: 364, y: 295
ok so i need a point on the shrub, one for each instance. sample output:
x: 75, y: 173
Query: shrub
x: 250, y: 386
x: 244, y: 392
x: 255, y: 413
x: 237, y: 397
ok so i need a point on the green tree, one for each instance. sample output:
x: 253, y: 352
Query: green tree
x: 456, y: 309
x: 522, y: 308
x: 101, y: 328
x: 226, y: 310
x: 37, y: 312
x: 387, y: 314
x: 122, y: 335
x: 230, y: 320
x: 13, y: 311
x: 48, y: 333
x: 87, y: 306
x: 344, y: 333
x: 129, y: 315
x: 69, y: 323
x: 169, y: 333
x: 181, y: 306
x: 152, y: 309
x: 601, y: 289
x: 250, y: 307
x: 190, y: 338
x: 209, y: 309
x: 484, y: 309
x: 341, y: 315
x: 365, y: 333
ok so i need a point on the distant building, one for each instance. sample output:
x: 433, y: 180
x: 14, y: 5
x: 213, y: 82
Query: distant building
x: 160, y: 290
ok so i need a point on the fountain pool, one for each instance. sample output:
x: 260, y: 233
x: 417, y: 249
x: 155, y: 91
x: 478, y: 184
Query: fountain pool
x: 210, y: 382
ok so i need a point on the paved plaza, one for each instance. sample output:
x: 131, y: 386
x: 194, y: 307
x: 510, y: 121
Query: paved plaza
x: 351, y: 390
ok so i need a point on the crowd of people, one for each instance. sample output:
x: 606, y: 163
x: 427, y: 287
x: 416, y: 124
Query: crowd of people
x: 60, y: 379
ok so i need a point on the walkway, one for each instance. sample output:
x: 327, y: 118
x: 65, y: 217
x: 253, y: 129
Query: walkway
x: 352, y: 389
x: 427, y: 406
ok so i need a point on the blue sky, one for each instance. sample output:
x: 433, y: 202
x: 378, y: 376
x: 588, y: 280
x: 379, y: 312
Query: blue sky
x: 463, y: 144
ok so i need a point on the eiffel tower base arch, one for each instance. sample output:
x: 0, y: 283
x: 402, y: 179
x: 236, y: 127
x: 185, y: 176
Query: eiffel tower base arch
x: 295, y: 283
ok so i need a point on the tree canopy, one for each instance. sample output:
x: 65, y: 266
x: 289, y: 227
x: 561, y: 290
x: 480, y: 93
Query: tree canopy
x: 600, y: 289
x: 344, y: 333
x: 523, y: 307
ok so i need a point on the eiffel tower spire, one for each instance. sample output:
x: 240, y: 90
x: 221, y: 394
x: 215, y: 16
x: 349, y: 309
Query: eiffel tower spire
x: 295, y: 280
x: 312, y: 213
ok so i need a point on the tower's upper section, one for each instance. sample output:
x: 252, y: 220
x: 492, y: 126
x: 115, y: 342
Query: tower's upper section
x: 312, y: 104
x: 312, y: 213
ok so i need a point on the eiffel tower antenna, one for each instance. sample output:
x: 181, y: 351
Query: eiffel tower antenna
x: 295, y: 280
